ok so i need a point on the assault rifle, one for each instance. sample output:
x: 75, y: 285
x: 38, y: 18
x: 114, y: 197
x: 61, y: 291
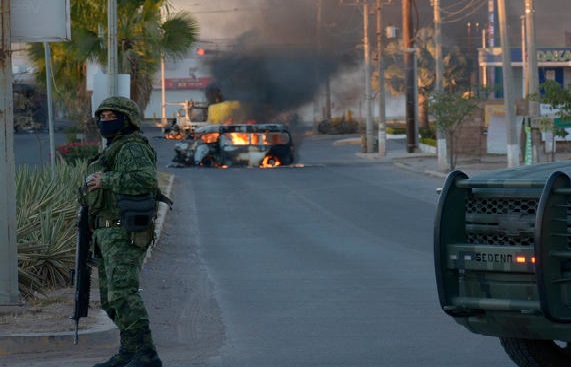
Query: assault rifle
x: 82, y: 271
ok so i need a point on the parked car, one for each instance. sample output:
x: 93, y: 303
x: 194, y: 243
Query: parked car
x: 246, y: 145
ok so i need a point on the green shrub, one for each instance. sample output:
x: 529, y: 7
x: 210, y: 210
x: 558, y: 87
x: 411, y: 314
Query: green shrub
x: 428, y: 141
x: 72, y: 134
x: 46, y: 214
x: 338, y: 125
x: 73, y: 152
x: 394, y: 130
x: 428, y: 132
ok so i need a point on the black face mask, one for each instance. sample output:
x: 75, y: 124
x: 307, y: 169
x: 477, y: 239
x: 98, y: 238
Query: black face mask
x: 110, y: 128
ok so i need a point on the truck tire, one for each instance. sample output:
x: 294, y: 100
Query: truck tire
x: 537, y: 353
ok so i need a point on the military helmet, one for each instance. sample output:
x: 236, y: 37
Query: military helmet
x: 124, y: 105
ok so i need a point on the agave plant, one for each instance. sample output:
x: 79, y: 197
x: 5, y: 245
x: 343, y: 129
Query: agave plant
x: 46, y: 217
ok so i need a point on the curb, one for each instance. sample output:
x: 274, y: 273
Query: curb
x: 425, y: 171
x: 160, y: 219
x: 104, y: 335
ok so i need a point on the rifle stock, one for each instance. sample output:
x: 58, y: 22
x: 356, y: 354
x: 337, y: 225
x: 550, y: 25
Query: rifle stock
x: 82, y: 270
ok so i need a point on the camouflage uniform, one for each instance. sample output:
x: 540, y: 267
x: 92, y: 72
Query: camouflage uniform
x: 128, y: 165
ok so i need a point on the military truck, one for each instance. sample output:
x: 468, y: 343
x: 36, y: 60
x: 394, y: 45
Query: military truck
x: 502, y: 255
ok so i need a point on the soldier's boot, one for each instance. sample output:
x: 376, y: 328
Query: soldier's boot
x: 126, y: 352
x: 146, y: 354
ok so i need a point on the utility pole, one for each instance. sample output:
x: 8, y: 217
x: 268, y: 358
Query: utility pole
x: 317, y: 110
x: 407, y: 37
x: 164, y: 122
x: 382, y: 138
x: 532, y: 74
x: 369, y: 123
x: 439, y: 86
x: 368, y: 103
x: 326, y: 114
x: 513, y: 155
x: 112, y: 64
x: 491, y: 78
x: 525, y: 74
x: 484, y: 75
x: 9, y: 294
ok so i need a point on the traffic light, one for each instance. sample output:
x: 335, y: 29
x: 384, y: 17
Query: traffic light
x: 206, y: 51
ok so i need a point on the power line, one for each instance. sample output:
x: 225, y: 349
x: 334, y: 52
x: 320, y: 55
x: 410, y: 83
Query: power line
x: 462, y: 6
x: 469, y: 7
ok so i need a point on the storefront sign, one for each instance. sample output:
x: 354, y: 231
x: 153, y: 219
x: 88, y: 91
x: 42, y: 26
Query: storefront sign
x: 185, y: 83
x: 493, y: 56
x: 554, y: 55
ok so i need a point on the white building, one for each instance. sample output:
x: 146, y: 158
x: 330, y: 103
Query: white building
x: 184, y: 80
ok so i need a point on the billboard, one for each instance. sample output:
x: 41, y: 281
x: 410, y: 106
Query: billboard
x: 40, y: 20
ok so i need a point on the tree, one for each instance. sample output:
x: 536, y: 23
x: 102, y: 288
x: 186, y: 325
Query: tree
x: 456, y: 74
x: 456, y: 70
x: 558, y: 97
x: 559, y: 100
x: 143, y: 38
x: 450, y: 109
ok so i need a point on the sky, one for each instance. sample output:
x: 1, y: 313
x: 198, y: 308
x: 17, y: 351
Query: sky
x: 270, y: 58
x: 294, y: 21
x: 272, y: 42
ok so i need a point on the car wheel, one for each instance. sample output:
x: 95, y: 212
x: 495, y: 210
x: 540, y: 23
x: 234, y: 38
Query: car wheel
x: 537, y: 353
x: 209, y: 161
x: 270, y: 161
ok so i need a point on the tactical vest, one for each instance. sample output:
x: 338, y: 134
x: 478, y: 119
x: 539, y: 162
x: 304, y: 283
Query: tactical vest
x: 103, y: 203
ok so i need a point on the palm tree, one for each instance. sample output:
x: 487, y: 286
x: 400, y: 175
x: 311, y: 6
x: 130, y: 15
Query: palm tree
x: 426, y: 51
x: 395, y: 76
x: 143, y: 37
x: 455, y: 69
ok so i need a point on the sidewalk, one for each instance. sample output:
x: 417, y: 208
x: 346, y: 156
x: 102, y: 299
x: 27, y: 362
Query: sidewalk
x: 427, y: 162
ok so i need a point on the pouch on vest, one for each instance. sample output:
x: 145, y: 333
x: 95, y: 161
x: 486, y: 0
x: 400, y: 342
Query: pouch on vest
x: 137, y: 213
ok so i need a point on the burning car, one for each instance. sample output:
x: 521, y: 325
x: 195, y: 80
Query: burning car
x: 246, y: 145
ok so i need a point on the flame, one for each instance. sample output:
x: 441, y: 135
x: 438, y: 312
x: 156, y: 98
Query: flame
x: 239, y: 138
x: 270, y: 161
x: 174, y: 136
x: 210, y: 138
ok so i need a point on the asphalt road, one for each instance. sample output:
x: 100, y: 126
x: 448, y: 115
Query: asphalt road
x: 327, y: 264
x: 34, y: 149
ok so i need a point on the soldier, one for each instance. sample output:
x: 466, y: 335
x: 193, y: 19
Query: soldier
x: 121, y: 192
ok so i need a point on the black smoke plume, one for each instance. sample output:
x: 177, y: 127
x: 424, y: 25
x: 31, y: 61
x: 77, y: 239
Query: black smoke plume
x: 270, y: 81
x: 282, y: 63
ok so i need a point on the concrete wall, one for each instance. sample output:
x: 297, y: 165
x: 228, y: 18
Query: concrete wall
x: 471, y: 137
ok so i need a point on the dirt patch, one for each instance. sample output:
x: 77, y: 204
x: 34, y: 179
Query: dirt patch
x: 47, y: 314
